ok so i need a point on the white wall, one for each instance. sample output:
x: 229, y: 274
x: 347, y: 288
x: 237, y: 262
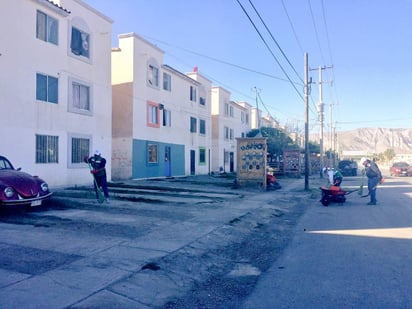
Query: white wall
x: 22, y: 116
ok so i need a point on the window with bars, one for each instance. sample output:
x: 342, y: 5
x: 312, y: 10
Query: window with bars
x: 80, y: 147
x: 47, y: 88
x: 47, y: 28
x: 47, y: 149
x: 152, y: 153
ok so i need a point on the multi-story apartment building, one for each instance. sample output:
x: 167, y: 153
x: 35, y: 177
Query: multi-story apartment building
x: 269, y: 121
x: 161, y: 117
x: 229, y: 121
x: 55, y: 87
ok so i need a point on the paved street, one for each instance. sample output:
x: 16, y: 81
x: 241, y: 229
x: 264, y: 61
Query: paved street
x: 355, y: 256
x: 198, y: 243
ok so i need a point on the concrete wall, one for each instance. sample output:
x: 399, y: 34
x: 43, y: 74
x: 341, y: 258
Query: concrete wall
x: 134, y: 93
x: 23, y: 116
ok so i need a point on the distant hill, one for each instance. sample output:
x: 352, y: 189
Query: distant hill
x: 372, y: 140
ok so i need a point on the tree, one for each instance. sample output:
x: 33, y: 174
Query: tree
x: 277, y: 140
x: 389, y: 154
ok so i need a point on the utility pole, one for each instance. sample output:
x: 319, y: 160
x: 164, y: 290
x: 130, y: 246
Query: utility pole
x: 331, y: 134
x: 321, y: 119
x: 257, y: 112
x: 320, y: 111
x: 306, y: 99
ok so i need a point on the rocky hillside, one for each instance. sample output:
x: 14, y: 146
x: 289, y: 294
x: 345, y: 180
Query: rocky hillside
x: 374, y: 140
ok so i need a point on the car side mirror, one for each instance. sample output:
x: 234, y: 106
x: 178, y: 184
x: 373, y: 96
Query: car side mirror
x: 19, y: 169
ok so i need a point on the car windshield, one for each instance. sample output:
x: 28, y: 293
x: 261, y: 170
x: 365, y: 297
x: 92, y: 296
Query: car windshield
x: 401, y: 164
x: 5, y: 165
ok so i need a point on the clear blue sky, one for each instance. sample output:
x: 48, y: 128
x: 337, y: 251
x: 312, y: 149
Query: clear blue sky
x: 368, y: 43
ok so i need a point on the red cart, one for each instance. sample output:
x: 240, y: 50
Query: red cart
x: 334, y: 194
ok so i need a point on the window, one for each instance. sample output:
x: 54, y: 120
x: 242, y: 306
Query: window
x: 80, y: 147
x: 47, y: 28
x: 80, y: 98
x: 231, y: 134
x: 153, y: 114
x: 152, y: 153
x: 153, y: 76
x: 193, y: 124
x: 202, y: 126
x: 167, y: 82
x: 202, y: 101
x: 167, y: 118
x: 226, y: 109
x: 226, y: 133
x: 231, y: 111
x: 202, y: 155
x: 192, y: 94
x: 47, y: 88
x: 47, y: 149
x: 80, y: 44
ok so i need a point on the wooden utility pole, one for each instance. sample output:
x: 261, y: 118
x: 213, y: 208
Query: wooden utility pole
x: 306, y: 99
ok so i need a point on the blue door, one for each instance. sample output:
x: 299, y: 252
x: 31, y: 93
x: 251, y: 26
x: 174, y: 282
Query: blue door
x: 168, y: 162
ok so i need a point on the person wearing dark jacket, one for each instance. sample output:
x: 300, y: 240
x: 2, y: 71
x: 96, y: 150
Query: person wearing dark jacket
x: 374, y: 178
x: 98, y: 164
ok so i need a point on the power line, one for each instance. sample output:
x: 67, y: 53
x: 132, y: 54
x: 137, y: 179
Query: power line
x: 293, y: 28
x: 273, y: 38
x: 316, y: 32
x: 220, y: 61
x: 271, y: 52
x: 329, y: 49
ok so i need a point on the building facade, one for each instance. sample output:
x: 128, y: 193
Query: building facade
x: 55, y: 87
x: 230, y: 120
x: 161, y: 117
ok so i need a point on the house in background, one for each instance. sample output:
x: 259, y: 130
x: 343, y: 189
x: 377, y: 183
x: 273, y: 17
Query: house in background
x: 55, y: 86
x: 161, y: 117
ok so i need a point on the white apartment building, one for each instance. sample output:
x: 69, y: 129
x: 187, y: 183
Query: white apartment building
x: 161, y: 117
x: 55, y: 86
x: 229, y: 121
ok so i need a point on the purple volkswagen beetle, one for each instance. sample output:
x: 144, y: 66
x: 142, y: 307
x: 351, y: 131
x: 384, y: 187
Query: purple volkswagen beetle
x: 18, y: 188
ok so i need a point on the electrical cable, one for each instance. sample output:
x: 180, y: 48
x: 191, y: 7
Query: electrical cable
x: 267, y: 46
x: 316, y: 31
x: 293, y: 28
x: 273, y: 38
x: 219, y: 60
